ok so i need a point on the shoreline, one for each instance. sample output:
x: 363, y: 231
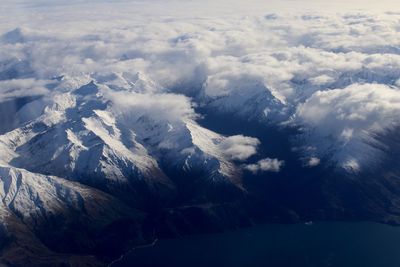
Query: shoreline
x: 131, y: 250
x: 305, y: 223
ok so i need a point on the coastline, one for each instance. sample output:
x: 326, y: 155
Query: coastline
x: 131, y: 250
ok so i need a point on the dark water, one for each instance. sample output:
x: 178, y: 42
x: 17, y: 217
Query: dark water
x: 321, y: 244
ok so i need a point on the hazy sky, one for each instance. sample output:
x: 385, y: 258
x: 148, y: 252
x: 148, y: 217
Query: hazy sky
x: 17, y: 13
x: 244, y: 4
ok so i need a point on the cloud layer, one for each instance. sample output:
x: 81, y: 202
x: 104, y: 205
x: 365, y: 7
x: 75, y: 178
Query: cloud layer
x: 335, y: 75
x: 341, y: 121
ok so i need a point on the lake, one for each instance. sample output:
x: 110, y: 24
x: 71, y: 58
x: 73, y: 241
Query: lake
x: 319, y: 244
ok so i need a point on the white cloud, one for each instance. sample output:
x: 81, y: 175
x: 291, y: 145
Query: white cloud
x: 321, y: 80
x: 239, y: 147
x: 159, y: 107
x: 265, y: 165
x: 341, y: 121
x: 313, y: 161
x: 351, y: 165
x: 10, y: 89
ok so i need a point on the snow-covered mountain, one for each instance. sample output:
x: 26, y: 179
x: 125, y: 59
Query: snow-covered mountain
x: 100, y: 135
x: 87, y: 135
